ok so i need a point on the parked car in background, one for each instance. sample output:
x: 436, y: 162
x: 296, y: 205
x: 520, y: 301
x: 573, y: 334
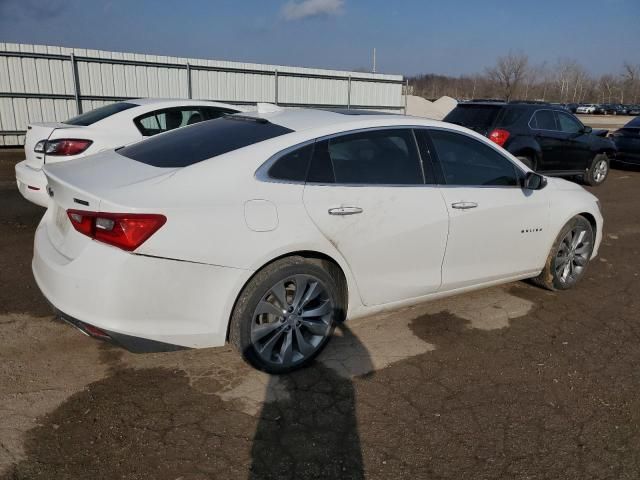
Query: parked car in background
x: 590, y: 108
x: 269, y: 228
x: 546, y: 138
x: 613, y: 109
x: 571, y: 107
x: 633, y: 110
x: 627, y: 140
x: 104, y: 128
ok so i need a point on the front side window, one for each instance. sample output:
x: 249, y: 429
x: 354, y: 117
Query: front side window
x: 168, y: 119
x: 377, y: 157
x: 568, y: 124
x: 466, y: 161
x: 543, y: 120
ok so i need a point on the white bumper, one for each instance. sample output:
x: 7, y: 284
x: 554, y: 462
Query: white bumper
x: 32, y: 184
x: 174, y: 302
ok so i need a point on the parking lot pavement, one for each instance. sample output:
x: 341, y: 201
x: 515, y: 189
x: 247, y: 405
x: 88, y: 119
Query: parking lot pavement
x: 510, y: 382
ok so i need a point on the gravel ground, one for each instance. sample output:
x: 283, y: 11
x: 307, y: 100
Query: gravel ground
x: 509, y: 382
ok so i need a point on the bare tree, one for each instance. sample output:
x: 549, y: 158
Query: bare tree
x: 508, y: 73
x: 630, y: 80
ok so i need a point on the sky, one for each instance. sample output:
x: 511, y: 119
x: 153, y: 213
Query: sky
x: 449, y: 37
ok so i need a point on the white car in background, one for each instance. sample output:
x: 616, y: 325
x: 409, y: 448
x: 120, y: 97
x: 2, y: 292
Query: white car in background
x: 268, y: 228
x: 586, y: 109
x: 104, y: 128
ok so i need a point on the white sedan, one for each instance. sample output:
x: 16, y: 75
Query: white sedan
x: 586, y: 109
x: 104, y: 128
x: 265, y: 229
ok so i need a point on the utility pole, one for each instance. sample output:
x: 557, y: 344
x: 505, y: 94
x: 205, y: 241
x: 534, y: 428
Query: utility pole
x: 374, y: 60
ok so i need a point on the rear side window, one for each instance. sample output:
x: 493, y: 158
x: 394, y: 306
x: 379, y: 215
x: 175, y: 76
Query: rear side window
x: 466, y: 161
x: 89, y: 118
x: 474, y: 116
x: 292, y: 166
x: 167, y: 119
x: 204, y: 140
x: 380, y: 157
x: 543, y: 120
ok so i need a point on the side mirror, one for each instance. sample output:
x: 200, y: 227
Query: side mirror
x: 587, y: 129
x: 534, y: 181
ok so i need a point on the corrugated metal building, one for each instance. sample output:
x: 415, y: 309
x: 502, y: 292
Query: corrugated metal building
x: 45, y: 83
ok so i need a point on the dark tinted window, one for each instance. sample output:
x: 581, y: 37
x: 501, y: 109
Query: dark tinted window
x: 186, y: 146
x: 375, y: 157
x: 292, y: 166
x: 466, y: 161
x: 544, y: 120
x: 568, y: 124
x: 634, y: 123
x: 474, y: 115
x: 509, y: 116
x: 89, y: 118
x: 213, y: 112
x: 321, y: 170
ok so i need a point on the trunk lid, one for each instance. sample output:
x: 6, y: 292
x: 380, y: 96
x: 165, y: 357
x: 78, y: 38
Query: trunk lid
x: 89, y: 184
x: 35, y: 133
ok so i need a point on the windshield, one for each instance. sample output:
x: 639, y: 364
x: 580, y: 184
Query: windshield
x: 89, y: 118
x: 188, y: 145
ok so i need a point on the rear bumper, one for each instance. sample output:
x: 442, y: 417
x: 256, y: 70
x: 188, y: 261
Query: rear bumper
x: 142, y: 303
x: 631, y: 158
x: 32, y: 184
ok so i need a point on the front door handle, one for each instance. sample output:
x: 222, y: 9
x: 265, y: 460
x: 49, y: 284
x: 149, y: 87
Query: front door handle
x: 345, y: 211
x: 464, y: 205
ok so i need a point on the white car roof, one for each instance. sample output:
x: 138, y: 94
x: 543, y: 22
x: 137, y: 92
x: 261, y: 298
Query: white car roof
x: 299, y: 119
x: 176, y: 102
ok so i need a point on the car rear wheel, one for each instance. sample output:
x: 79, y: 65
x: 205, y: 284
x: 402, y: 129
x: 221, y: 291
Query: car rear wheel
x: 598, y: 171
x: 569, y: 256
x: 286, y: 314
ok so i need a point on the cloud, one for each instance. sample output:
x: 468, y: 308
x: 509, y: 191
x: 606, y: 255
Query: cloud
x: 294, y: 10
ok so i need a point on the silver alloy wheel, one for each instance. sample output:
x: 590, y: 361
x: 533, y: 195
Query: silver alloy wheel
x: 600, y: 171
x: 573, y: 254
x: 292, y: 320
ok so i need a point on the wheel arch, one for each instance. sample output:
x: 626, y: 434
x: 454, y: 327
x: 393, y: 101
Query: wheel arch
x: 346, y: 280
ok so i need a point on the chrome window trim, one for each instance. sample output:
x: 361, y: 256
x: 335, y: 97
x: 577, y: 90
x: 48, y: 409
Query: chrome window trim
x: 262, y: 173
x: 490, y: 145
x: 542, y: 129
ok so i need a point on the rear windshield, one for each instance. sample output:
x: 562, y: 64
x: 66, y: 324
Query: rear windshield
x: 473, y: 116
x: 188, y: 145
x: 634, y: 123
x: 98, y: 114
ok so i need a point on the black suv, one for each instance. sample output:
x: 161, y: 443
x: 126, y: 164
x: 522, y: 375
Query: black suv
x: 546, y: 138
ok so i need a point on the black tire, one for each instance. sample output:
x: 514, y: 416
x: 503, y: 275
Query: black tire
x: 245, y: 316
x: 598, y: 170
x: 551, y: 276
x: 528, y: 161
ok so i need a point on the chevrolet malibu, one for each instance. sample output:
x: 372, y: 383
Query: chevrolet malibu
x: 267, y: 228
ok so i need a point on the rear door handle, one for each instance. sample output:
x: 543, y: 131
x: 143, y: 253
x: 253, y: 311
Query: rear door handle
x: 464, y: 205
x: 345, y: 211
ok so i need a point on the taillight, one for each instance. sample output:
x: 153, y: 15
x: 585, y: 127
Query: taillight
x: 123, y: 230
x: 499, y: 136
x: 63, y: 146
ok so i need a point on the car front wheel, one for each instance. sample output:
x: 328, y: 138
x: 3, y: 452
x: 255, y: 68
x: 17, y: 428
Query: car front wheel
x: 286, y: 313
x: 569, y: 256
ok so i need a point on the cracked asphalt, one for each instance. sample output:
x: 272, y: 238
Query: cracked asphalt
x: 510, y: 382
